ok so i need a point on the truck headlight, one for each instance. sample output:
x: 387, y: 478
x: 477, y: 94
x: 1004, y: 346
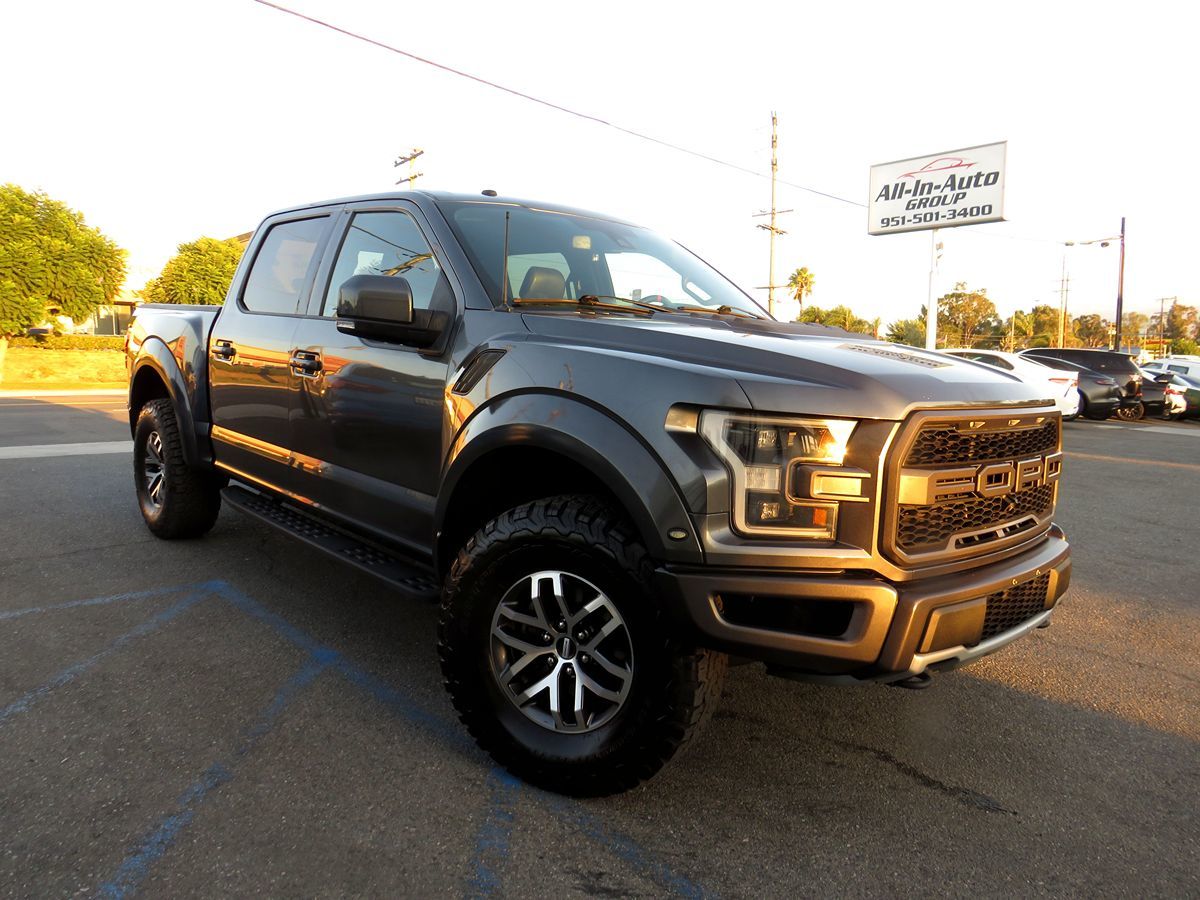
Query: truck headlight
x: 761, y: 453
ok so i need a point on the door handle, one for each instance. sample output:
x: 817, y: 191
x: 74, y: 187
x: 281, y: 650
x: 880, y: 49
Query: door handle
x: 305, y: 363
x: 223, y: 350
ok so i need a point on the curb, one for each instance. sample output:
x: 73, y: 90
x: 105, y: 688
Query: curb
x: 64, y: 392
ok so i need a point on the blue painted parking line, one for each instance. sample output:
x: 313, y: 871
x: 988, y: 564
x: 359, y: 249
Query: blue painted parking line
x: 491, y: 844
x: 136, y: 866
x: 625, y: 848
x: 69, y: 674
x: 111, y: 598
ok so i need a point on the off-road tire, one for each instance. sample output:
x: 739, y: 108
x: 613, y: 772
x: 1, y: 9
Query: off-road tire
x: 675, y: 686
x: 190, y: 499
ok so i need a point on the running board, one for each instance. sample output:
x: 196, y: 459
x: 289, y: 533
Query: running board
x: 405, y: 576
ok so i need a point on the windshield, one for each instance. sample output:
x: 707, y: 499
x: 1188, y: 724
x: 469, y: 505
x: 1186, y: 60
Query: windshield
x: 560, y: 256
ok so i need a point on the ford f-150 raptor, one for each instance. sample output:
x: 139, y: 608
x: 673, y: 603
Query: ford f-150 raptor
x: 613, y: 468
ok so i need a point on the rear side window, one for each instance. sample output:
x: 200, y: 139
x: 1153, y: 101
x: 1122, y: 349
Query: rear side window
x: 281, y: 268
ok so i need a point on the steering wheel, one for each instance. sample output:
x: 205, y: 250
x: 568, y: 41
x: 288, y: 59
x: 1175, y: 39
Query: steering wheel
x: 655, y: 298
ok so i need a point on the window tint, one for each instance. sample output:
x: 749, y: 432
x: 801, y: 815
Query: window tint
x: 518, y: 273
x: 1182, y: 370
x: 389, y: 243
x: 281, y: 267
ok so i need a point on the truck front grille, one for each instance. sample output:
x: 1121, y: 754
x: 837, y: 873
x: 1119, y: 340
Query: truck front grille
x: 926, y: 528
x: 964, y: 484
x: 942, y: 446
x: 1009, y: 608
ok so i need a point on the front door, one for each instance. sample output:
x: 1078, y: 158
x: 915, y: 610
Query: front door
x: 252, y: 381
x: 367, y: 426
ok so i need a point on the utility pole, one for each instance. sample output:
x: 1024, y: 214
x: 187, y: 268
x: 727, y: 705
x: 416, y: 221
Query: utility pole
x: 773, y: 213
x: 935, y: 257
x: 1120, y: 289
x: 411, y: 159
x: 1162, y: 323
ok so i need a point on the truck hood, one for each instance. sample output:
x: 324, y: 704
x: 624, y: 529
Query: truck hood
x: 792, y: 367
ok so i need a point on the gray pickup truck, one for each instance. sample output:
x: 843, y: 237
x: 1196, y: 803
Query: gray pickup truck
x: 611, y: 467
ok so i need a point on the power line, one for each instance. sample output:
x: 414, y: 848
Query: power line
x: 571, y: 112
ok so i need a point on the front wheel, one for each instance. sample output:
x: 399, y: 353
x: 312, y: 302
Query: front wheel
x: 176, y: 500
x: 558, y: 656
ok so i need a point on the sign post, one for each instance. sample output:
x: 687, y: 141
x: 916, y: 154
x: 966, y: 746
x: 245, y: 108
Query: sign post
x: 943, y: 190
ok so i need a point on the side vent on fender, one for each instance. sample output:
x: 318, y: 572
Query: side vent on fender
x: 474, y: 371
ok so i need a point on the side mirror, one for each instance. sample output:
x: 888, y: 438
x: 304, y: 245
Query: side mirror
x: 380, y: 307
x: 380, y: 298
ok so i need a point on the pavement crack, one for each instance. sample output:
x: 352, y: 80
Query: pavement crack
x: 76, y: 552
x: 963, y: 795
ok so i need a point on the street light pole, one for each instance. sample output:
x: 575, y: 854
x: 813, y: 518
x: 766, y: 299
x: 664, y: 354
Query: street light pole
x: 1120, y: 288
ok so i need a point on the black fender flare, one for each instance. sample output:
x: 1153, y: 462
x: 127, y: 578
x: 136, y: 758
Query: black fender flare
x: 156, y: 355
x: 587, y: 435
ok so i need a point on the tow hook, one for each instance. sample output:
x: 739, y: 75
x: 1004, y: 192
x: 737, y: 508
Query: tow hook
x: 917, y: 682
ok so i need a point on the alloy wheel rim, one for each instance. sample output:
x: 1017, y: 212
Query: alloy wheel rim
x: 561, y: 652
x: 154, y: 470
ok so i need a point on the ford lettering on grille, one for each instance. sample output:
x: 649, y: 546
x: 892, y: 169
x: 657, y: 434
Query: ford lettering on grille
x: 962, y: 486
x: 922, y: 487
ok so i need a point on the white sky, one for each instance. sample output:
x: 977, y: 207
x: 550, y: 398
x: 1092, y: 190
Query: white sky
x: 163, y: 121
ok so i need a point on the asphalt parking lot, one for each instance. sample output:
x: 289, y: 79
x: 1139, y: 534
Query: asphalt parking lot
x: 234, y: 715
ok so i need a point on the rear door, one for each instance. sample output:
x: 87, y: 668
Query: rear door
x: 367, y: 427
x: 252, y: 382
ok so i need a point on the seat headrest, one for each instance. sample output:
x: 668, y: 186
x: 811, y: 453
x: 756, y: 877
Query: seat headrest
x: 543, y: 283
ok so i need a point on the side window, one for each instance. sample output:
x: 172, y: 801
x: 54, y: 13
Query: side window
x: 281, y: 267
x: 389, y: 243
x: 998, y: 361
x: 1182, y: 370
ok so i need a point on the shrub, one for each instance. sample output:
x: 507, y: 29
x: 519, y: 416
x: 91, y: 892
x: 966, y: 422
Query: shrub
x: 70, y: 341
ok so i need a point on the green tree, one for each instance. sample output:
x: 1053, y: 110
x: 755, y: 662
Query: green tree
x: 199, y: 273
x: 1185, y: 347
x: 965, y: 315
x: 801, y: 282
x: 1181, y: 322
x: 1133, y: 326
x: 1091, y: 330
x: 51, y: 260
x: 838, y: 316
x: 1045, y: 326
x: 907, y: 331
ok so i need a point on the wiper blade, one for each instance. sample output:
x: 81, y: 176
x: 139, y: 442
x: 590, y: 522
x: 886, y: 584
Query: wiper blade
x: 660, y: 307
x: 588, y: 301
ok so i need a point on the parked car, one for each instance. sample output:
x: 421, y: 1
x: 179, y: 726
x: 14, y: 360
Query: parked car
x: 1116, y: 365
x: 608, y: 464
x: 1177, y: 364
x: 1099, y: 394
x: 1062, y: 387
x: 1182, y: 396
x: 1153, y: 392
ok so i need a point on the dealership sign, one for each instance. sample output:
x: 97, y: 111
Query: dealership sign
x: 960, y: 187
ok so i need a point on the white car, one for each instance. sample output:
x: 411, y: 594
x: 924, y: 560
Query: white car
x: 1180, y: 365
x: 1061, y: 385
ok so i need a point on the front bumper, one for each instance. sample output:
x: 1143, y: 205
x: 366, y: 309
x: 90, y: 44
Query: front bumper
x: 891, y: 631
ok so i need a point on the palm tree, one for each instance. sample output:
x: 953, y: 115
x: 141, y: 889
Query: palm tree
x: 801, y: 282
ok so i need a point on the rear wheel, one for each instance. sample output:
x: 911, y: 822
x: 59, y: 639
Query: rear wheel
x: 1133, y: 412
x: 558, y: 657
x: 176, y: 500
